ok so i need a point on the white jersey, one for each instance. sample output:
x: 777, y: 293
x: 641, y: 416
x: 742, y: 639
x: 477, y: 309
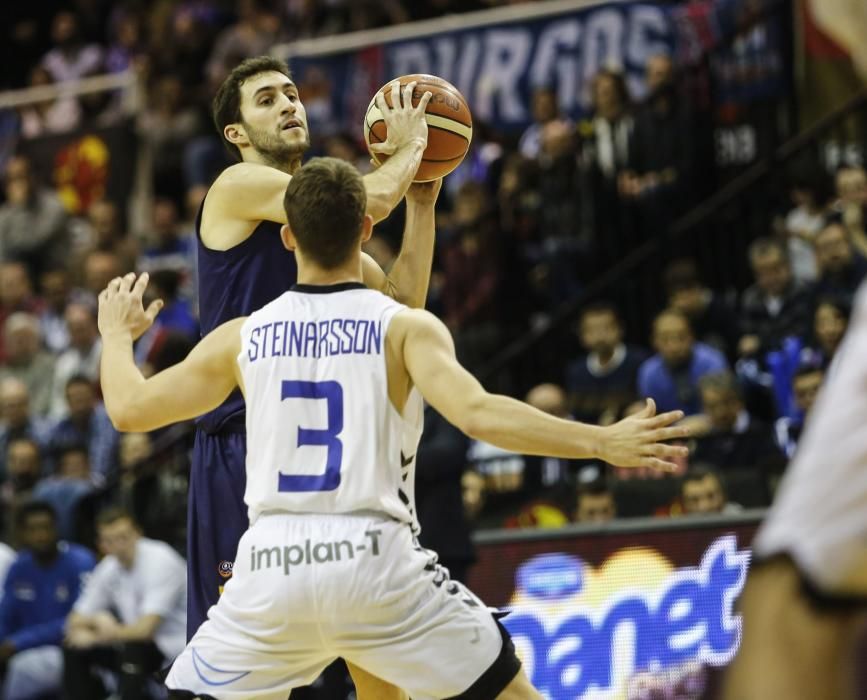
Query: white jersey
x: 323, y: 436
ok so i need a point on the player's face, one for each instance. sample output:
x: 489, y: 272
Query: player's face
x: 274, y: 117
x: 600, y: 333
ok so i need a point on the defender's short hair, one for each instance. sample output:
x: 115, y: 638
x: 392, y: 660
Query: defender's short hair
x: 226, y: 108
x: 325, y: 204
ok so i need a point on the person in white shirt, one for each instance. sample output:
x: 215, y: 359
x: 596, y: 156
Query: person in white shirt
x: 7, y: 556
x: 334, y: 375
x: 143, y: 581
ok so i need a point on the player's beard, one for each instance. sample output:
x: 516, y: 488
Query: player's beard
x: 274, y: 150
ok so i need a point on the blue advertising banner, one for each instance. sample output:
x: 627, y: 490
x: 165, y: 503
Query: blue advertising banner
x: 497, y: 64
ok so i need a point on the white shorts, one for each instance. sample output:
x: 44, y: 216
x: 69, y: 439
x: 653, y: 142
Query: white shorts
x: 307, y: 589
x: 819, y: 517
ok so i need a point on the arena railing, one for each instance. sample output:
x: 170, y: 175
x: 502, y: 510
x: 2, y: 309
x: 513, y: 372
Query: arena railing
x: 126, y: 80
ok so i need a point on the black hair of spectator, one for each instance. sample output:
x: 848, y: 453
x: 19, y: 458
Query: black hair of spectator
x: 78, y: 379
x: 722, y: 381
x: 226, y: 108
x: 699, y: 472
x: 619, y: 80
x: 681, y: 274
x: 807, y: 367
x: 168, y: 282
x: 597, y: 487
x: 812, y: 179
x: 25, y: 510
x: 112, y: 514
x: 763, y: 246
x: 600, y: 307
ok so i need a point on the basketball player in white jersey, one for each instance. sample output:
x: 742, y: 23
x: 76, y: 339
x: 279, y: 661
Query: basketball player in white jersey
x: 334, y: 374
x: 804, y: 601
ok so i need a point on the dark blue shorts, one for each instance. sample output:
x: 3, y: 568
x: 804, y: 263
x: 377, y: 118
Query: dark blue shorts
x: 216, y: 519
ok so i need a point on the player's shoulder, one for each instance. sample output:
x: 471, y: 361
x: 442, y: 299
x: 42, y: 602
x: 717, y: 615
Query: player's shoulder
x: 414, y: 322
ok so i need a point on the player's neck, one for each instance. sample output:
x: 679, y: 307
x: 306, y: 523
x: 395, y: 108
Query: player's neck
x: 290, y: 167
x: 313, y: 274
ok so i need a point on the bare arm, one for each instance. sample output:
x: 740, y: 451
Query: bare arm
x: 141, y: 630
x: 429, y: 357
x: 198, y: 384
x: 409, y: 277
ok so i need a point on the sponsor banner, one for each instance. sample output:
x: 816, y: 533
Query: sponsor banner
x: 621, y: 616
x: 497, y: 65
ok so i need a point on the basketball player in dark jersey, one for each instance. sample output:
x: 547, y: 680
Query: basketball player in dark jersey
x: 243, y: 265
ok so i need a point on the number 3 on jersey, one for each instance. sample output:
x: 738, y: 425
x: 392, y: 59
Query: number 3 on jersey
x: 332, y: 394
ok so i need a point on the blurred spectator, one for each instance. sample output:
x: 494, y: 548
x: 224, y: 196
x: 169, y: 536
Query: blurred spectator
x: 169, y: 248
x: 470, y: 263
x: 702, y: 493
x: 544, y: 108
x: 7, y: 556
x: 33, y: 223
x: 472, y: 494
x: 439, y: 468
x: 841, y: 269
x: 175, y: 320
x: 735, y: 440
x: 605, y: 379
x: 253, y: 35
x: 65, y: 490
x: 830, y: 321
x: 100, y: 268
x: 805, y: 388
x: 24, y: 469
x: 165, y: 128
x: 776, y: 306
x: 52, y: 116
x: 105, y: 234
x: 802, y: 223
x: 56, y: 288
x: 713, y: 321
x: 81, y: 358
x: 852, y: 205
x: 547, y: 476
x: 671, y: 376
x: 16, y: 420
x: 26, y: 361
x: 130, y: 618
x: 88, y: 424
x: 126, y: 46
x: 71, y: 58
x: 40, y: 589
x: 16, y: 294
x: 594, y: 503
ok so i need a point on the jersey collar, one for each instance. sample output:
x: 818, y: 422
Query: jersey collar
x: 326, y: 288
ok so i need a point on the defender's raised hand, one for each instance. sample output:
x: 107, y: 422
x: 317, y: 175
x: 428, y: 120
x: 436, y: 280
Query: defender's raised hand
x: 121, y: 309
x: 404, y: 123
x: 638, y: 441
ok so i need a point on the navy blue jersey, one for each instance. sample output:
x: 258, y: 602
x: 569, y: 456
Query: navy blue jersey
x: 236, y: 282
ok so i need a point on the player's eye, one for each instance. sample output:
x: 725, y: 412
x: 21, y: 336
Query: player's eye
x: 266, y: 101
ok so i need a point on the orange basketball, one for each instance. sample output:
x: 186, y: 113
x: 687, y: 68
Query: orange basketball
x: 450, y: 125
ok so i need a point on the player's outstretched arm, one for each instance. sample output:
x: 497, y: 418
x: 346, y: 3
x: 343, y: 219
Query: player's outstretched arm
x: 409, y: 277
x: 198, y: 384
x: 429, y: 357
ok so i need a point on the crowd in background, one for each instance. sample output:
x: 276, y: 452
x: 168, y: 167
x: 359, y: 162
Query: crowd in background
x: 521, y: 226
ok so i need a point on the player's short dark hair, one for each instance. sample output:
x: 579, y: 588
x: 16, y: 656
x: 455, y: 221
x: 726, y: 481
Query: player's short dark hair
x: 35, y: 507
x: 226, y: 108
x: 325, y: 204
x: 112, y: 514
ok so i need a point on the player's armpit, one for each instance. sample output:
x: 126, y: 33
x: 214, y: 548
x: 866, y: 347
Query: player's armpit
x: 374, y: 277
x: 198, y: 384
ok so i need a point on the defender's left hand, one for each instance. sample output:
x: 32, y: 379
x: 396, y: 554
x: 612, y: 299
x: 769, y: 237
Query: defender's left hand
x: 121, y: 309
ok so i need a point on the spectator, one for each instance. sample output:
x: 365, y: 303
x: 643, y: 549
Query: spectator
x: 776, y: 306
x: 439, y: 468
x: 734, y: 440
x: 830, y: 322
x: 143, y: 583
x: 852, y: 205
x: 545, y: 109
x: 16, y: 420
x: 805, y: 388
x: 7, y: 556
x: 24, y: 469
x: 253, y: 35
x: 33, y: 223
x: 16, y: 294
x: 802, y: 223
x: 106, y: 235
x: 713, y: 321
x: 841, y: 269
x: 26, y: 361
x: 40, y: 589
x: 70, y: 59
x: 64, y: 491
x: 100, y: 268
x: 602, y: 381
x: 594, y: 503
x: 88, y: 424
x: 671, y: 376
x: 702, y: 493
x: 52, y: 116
x: 169, y: 249
x: 82, y: 357
x: 56, y: 291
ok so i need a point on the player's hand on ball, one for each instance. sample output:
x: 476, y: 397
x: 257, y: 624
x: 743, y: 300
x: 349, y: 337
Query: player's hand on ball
x: 638, y: 441
x: 121, y: 309
x: 404, y: 122
x: 424, y: 192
